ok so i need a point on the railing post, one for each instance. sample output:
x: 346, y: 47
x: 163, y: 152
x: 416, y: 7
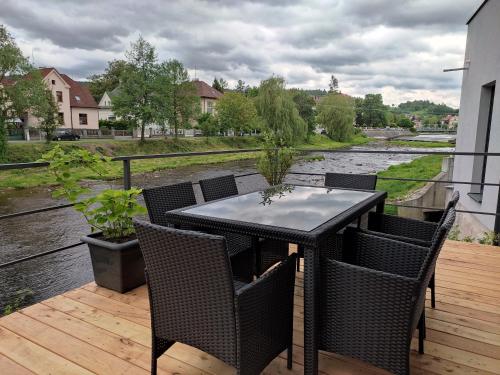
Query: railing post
x: 127, y: 183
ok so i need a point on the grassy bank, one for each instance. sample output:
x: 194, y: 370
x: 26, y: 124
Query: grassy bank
x: 425, y: 167
x: 26, y: 152
x: 420, y: 144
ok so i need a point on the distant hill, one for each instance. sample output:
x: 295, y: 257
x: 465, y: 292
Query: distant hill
x: 425, y: 107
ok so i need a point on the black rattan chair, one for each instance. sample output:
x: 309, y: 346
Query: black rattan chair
x: 413, y: 231
x: 346, y: 181
x: 166, y: 198
x: 372, y: 301
x: 244, y: 325
x: 351, y: 181
x: 271, y: 252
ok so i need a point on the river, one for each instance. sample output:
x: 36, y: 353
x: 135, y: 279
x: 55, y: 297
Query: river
x: 53, y: 274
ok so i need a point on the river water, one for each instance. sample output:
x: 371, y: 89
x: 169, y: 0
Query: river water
x: 53, y: 274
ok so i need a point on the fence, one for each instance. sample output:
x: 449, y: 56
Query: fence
x: 127, y: 182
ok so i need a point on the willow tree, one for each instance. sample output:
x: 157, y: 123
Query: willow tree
x: 283, y: 127
x: 336, y: 115
x: 279, y: 113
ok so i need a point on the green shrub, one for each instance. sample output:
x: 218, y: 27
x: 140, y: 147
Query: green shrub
x: 110, y: 211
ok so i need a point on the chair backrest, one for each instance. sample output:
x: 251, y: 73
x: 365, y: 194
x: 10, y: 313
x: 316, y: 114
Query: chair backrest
x: 438, y: 241
x: 429, y: 264
x: 190, y: 287
x: 351, y: 181
x: 166, y: 198
x: 218, y: 187
x: 452, y: 203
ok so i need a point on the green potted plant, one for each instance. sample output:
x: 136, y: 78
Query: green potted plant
x: 114, y: 251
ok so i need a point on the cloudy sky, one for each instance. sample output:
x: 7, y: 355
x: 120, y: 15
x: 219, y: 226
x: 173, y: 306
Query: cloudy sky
x: 397, y: 48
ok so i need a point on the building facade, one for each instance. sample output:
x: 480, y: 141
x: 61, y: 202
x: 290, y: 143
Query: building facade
x: 208, y: 96
x: 77, y: 108
x: 479, y: 122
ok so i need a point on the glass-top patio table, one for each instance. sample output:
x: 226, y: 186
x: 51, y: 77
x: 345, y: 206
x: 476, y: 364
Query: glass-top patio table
x: 303, y: 215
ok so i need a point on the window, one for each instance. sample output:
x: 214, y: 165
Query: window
x: 59, y: 96
x: 210, y: 106
x: 111, y: 118
x: 83, y: 118
x: 53, y: 81
x: 60, y: 118
x: 482, y: 140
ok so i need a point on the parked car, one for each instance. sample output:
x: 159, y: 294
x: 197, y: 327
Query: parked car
x: 65, y: 136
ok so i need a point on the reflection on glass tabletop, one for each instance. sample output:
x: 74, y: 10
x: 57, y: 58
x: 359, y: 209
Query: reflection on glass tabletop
x: 287, y: 206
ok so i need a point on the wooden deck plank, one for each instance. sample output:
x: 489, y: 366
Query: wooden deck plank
x: 34, y: 357
x: 92, y: 329
x: 68, y: 347
x: 8, y: 366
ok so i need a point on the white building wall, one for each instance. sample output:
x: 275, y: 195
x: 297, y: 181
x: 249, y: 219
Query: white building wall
x: 483, y: 51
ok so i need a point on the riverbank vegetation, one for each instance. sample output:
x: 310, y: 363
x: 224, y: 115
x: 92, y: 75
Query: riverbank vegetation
x: 426, y: 167
x: 419, y: 144
x: 28, y: 152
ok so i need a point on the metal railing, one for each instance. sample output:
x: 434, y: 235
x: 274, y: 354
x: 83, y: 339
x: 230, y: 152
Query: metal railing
x: 127, y: 182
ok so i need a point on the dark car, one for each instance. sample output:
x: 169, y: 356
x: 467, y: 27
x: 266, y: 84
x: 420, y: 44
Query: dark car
x: 65, y: 136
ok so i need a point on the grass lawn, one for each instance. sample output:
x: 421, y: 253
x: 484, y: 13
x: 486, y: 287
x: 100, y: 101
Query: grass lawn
x: 26, y: 152
x: 420, y: 144
x: 425, y: 167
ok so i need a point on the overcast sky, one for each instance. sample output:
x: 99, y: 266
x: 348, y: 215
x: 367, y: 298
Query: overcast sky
x: 396, y: 48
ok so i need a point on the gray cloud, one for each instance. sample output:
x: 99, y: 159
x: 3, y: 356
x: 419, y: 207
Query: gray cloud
x: 398, y: 48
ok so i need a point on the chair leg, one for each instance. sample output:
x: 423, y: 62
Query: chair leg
x: 154, y: 365
x: 289, y: 357
x: 432, y: 285
x: 421, y: 333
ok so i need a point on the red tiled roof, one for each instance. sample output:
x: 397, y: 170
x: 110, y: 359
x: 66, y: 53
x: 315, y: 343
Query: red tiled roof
x: 76, y: 90
x: 79, y: 91
x: 204, y: 90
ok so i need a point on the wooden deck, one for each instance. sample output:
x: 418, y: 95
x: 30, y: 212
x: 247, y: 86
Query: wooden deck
x: 94, y: 330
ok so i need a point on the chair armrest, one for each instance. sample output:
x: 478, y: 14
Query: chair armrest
x: 400, y: 226
x: 264, y: 313
x: 363, y: 310
x: 383, y: 254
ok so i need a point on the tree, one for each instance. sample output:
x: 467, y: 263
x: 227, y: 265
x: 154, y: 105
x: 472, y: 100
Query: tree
x: 336, y: 115
x: 241, y: 87
x: 136, y: 99
x: 358, y: 108
x: 220, y: 84
x: 373, y: 111
x: 405, y: 122
x: 333, y: 85
x: 22, y: 88
x: 278, y: 111
x: 208, y: 124
x: 47, y: 113
x: 107, y: 81
x: 305, y: 105
x: 180, y: 103
x: 236, y: 111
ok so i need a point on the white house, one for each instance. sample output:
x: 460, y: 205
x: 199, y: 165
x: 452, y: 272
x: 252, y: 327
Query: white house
x: 479, y: 122
x: 104, y: 105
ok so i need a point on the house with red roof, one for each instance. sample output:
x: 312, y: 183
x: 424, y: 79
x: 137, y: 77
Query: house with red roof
x: 208, y: 96
x: 77, y: 107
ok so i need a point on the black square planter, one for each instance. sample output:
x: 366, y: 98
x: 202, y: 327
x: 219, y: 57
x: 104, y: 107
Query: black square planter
x: 116, y: 266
